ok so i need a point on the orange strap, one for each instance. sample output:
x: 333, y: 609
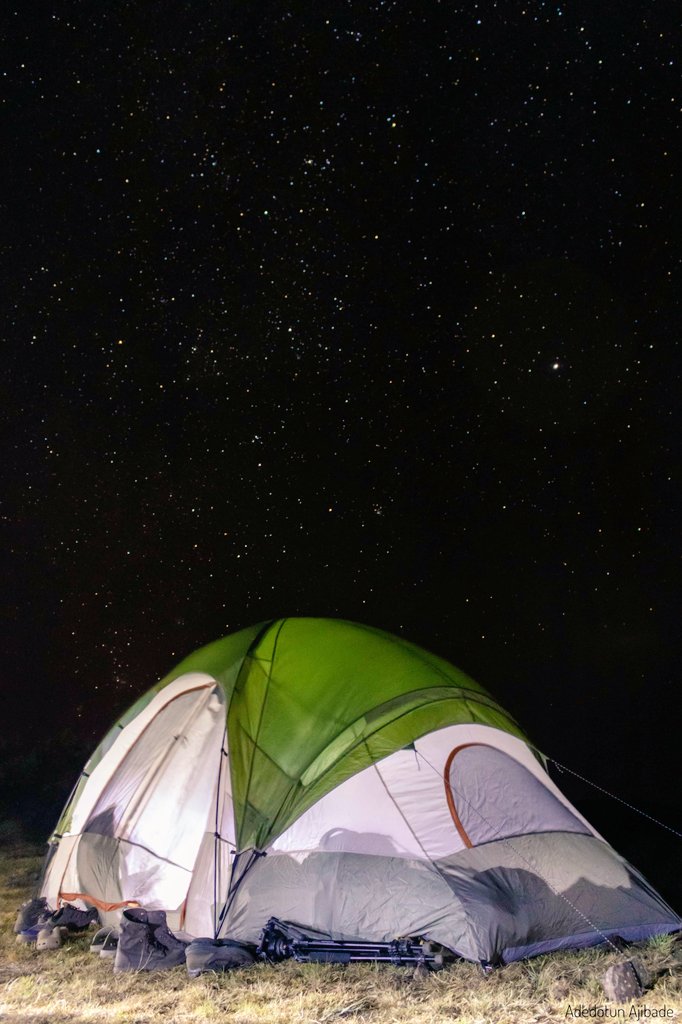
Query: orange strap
x: 67, y: 897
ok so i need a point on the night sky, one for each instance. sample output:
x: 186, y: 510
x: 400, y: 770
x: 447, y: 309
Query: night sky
x: 365, y: 310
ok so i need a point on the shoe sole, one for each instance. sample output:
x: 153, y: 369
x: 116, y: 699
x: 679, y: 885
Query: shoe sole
x: 151, y: 969
x: 46, y: 945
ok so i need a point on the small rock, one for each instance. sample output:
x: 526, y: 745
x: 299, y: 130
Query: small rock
x: 624, y: 982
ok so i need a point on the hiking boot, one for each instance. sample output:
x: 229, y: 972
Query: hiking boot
x: 104, y: 942
x: 145, y: 943
x: 73, y: 919
x: 30, y: 912
x: 31, y: 933
x: 217, y: 955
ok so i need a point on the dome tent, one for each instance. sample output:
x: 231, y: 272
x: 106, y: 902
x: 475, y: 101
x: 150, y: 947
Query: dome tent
x: 331, y: 774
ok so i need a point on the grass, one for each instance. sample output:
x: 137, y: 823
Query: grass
x: 70, y: 986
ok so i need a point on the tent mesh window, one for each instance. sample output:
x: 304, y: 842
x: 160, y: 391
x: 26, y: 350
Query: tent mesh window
x: 491, y: 796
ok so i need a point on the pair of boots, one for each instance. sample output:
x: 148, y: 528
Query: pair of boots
x: 145, y: 943
x: 37, y: 923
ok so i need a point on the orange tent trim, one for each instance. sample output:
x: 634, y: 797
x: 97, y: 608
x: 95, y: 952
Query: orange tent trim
x: 67, y: 897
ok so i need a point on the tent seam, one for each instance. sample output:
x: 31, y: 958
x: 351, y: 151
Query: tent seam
x: 399, y: 810
x: 260, y: 722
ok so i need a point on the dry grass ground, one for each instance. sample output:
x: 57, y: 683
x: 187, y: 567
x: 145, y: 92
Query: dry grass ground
x: 71, y: 986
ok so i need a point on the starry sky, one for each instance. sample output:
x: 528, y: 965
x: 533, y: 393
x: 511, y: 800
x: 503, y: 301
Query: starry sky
x: 366, y: 310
